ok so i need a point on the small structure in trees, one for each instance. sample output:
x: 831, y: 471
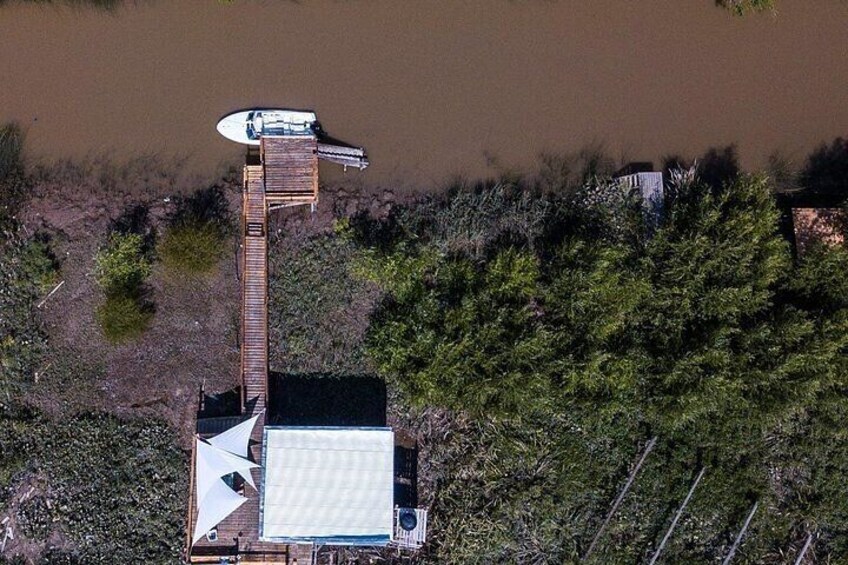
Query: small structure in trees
x: 818, y: 225
x: 642, y: 178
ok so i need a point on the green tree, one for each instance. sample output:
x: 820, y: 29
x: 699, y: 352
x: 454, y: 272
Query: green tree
x: 708, y: 334
x: 459, y: 334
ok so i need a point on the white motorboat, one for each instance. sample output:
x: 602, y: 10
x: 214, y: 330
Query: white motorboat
x: 248, y: 127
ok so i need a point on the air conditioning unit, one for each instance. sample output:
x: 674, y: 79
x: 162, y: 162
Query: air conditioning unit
x: 410, y: 527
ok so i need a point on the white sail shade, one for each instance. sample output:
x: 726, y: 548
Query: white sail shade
x: 236, y: 439
x: 212, y: 463
x: 220, y: 502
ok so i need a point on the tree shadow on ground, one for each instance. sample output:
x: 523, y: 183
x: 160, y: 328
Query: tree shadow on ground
x: 207, y: 205
x: 326, y: 400
x: 135, y: 219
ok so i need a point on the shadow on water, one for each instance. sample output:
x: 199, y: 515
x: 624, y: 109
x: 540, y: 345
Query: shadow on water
x: 326, y: 400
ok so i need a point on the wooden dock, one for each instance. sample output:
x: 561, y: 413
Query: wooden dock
x: 287, y: 175
x: 291, y: 169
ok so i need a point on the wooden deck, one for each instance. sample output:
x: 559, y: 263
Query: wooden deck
x: 291, y: 169
x: 238, y: 534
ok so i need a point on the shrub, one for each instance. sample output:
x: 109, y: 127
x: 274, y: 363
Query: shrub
x: 38, y: 264
x: 26, y: 269
x: 35, y: 518
x: 124, y: 317
x: 192, y: 249
x: 121, y: 267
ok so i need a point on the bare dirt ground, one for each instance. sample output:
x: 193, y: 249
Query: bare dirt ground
x: 193, y: 337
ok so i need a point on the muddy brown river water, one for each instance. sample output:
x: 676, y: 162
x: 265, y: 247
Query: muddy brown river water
x: 431, y: 88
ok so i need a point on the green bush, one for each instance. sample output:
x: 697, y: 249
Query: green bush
x: 191, y: 249
x: 122, y: 266
x: 123, y: 317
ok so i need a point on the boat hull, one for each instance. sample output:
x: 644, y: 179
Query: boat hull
x: 247, y: 126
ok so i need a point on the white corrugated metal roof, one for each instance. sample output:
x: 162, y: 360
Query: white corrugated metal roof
x: 332, y: 484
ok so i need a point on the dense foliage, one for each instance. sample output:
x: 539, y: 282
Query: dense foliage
x: 571, y: 344
x: 114, y: 489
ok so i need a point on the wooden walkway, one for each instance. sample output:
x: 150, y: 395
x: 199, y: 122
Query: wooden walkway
x: 254, y: 312
x: 288, y: 175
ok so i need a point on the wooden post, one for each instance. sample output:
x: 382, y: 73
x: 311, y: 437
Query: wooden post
x: 620, y: 497
x: 189, y: 529
x: 52, y: 292
x: 739, y: 537
x: 677, y: 517
x: 804, y: 549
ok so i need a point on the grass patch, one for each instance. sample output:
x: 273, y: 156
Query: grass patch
x: 318, y: 310
x: 26, y: 270
x: 191, y: 249
x: 116, y: 488
x: 124, y: 318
